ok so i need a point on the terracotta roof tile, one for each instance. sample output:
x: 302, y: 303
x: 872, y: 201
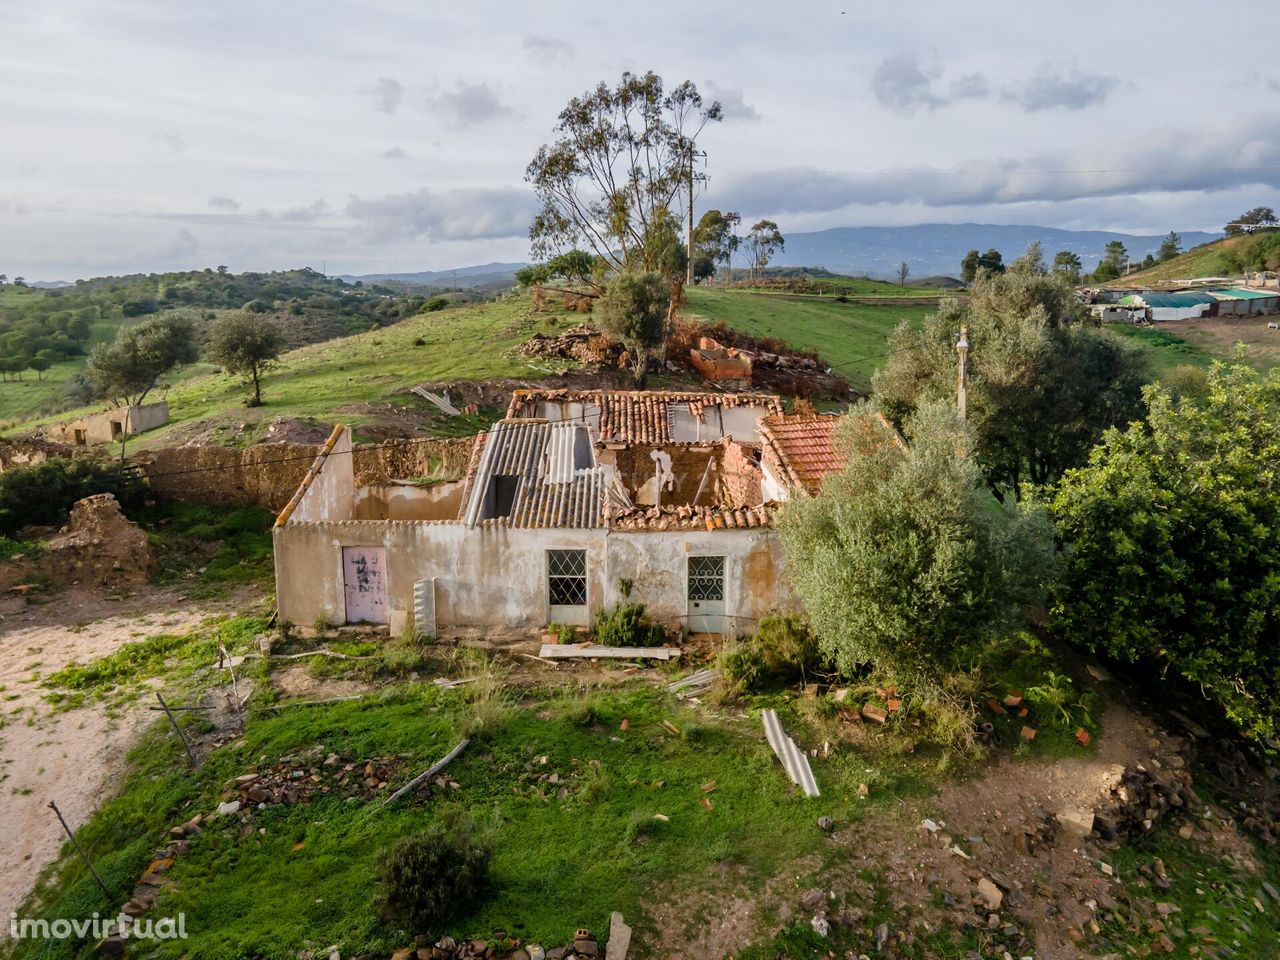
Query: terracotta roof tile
x: 803, y: 446
x: 687, y: 517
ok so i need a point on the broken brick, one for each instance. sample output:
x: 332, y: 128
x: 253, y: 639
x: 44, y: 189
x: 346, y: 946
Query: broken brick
x: 1028, y: 733
x: 872, y: 712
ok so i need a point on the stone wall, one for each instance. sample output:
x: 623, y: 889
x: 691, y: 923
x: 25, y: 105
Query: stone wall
x: 268, y: 474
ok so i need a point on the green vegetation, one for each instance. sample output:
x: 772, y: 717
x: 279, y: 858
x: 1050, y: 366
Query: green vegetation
x: 43, y: 494
x: 68, y: 322
x: 1172, y: 538
x: 1044, y: 384
x: 246, y: 345
x: 426, y: 878
x: 209, y: 549
x: 1230, y: 256
x: 591, y: 838
x: 853, y: 338
x: 903, y: 562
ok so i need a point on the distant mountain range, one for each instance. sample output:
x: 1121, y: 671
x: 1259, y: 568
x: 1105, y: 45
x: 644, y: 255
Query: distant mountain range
x: 928, y: 248
x: 937, y: 248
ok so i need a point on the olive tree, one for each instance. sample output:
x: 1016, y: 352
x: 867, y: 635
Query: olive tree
x: 633, y: 311
x: 247, y: 346
x: 903, y: 561
x: 129, y: 367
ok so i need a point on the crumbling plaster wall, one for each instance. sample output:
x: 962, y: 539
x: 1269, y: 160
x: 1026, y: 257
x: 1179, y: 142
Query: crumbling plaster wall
x: 409, y: 501
x: 491, y: 579
x: 332, y: 492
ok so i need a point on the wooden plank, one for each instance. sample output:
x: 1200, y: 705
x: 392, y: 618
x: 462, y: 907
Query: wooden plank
x: 560, y: 651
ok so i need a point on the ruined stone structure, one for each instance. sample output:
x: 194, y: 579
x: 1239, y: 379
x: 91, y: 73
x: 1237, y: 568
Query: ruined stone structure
x: 110, y: 424
x: 570, y: 496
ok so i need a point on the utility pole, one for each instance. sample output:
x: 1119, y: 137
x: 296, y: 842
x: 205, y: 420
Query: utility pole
x: 962, y: 379
x: 688, y: 241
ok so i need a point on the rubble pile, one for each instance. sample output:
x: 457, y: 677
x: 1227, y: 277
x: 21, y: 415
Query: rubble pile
x: 298, y: 779
x: 1142, y: 797
x: 582, y: 344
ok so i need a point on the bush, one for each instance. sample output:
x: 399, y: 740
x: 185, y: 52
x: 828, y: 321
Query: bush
x: 426, y: 877
x: 782, y: 650
x: 44, y: 494
x: 627, y: 626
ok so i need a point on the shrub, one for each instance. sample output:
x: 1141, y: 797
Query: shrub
x: 44, y: 493
x: 627, y: 626
x: 426, y: 877
x: 782, y: 650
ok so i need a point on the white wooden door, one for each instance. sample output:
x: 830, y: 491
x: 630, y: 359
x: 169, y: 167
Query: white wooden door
x: 364, y: 576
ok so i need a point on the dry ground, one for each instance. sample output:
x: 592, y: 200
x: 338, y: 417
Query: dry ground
x: 69, y: 757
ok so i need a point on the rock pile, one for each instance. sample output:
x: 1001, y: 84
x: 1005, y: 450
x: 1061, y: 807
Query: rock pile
x: 1141, y: 798
x: 582, y: 343
x: 298, y: 779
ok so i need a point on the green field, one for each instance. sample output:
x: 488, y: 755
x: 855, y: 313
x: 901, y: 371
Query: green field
x: 339, y: 378
x: 852, y: 337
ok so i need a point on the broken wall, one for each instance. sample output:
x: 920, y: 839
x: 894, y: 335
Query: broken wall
x: 268, y: 474
x: 410, y: 501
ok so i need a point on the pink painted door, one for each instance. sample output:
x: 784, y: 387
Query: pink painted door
x: 364, y: 575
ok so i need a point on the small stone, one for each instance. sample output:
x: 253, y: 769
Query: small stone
x: 930, y: 825
x: 820, y: 925
x: 536, y: 952
x: 871, y: 712
x: 813, y: 899
x: 1186, y: 831
x: 826, y: 824
x: 228, y: 808
x: 1077, y: 821
x: 990, y: 895
x: 585, y: 948
x: 881, y: 936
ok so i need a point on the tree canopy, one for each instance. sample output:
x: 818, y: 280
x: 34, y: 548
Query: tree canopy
x: 903, y: 560
x: 974, y: 261
x: 1170, y: 246
x: 715, y: 241
x: 1172, y: 537
x: 610, y: 180
x: 1251, y: 221
x: 1067, y: 265
x: 761, y: 243
x: 246, y: 345
x: 1044, y: 383
x: 128, y: 368
x: 633, y: 311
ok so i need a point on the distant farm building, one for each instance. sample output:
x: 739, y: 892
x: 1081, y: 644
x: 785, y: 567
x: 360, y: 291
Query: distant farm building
x: 110, y: 425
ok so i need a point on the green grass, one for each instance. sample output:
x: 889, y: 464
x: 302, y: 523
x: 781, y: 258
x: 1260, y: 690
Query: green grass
x: 335, y: 380
x: 20, y: 399
x: 848, y: 286
x: 212, y: 549
x: 852, y: 337
x: 560, y: 862
x: 1201, y: 261
x: 1163, y: 350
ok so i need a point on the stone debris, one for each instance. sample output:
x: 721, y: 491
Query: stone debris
x: 298, y: 779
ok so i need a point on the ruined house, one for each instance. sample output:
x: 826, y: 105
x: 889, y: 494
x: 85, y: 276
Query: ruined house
x: 110, y: 424
x: 568, y: 501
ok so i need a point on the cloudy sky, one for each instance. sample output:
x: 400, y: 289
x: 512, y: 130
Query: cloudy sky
x: 146, y: 135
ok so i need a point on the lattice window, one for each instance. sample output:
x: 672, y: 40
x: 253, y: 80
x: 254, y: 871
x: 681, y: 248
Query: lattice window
x: 567, y: 578
x: 706, y: 578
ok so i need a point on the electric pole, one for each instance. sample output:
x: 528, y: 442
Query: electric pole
x: 688, y: 243
x: 962, y: 378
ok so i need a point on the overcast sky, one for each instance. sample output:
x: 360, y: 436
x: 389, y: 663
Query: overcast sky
x: 149, y: 135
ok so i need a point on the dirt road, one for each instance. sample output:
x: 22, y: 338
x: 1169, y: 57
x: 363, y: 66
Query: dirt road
x: 66, y: 756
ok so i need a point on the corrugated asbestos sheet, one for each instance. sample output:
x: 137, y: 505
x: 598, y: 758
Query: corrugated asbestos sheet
x: 550, y: 492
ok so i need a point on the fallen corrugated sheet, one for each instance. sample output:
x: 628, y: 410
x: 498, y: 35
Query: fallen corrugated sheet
x: 793, y: 759
x: 561, y: 651
x: 694, y: 684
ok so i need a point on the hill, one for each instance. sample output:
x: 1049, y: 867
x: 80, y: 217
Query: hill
x: 937, y: 248
x: 61, y: 326
x: 487, y: 276
x: 1229, y: 256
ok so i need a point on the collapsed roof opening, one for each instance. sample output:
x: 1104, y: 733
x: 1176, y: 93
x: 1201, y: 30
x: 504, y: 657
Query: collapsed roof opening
x: 499, y: 496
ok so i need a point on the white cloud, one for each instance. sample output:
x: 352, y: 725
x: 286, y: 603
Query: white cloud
x: 468, y: 104
x: 386, y: 93
x: 463, y: 214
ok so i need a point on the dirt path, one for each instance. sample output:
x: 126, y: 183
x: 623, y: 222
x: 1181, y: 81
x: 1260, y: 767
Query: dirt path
x: 1004, y: 821
x: 65, y: 756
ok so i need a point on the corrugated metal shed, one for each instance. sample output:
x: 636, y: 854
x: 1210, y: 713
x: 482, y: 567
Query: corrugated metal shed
x: 1244, y: 294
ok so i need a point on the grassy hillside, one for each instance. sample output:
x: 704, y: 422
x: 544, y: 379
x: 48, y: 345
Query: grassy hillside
x: 850, y: 336
x: 1208, y: 260
x: 344, y: 378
